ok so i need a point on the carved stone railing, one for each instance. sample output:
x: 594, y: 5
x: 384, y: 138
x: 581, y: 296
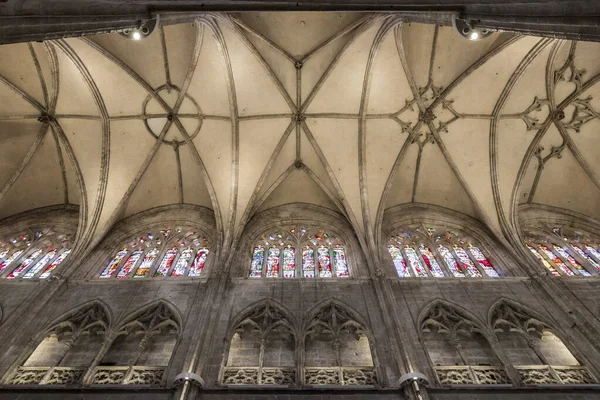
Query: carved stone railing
x: 347, y: 376
x: 551, y: 374
x: 47, y: 376
x: 471, y: 375
x: 258, y: 376
x: 136, y: 375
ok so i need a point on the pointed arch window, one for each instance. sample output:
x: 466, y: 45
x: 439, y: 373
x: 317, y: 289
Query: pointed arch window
x: 423, y: 252
x: 337, y: 350
x: 173, y: 252
x: 33, y: 254
x: 564, y: 250
x: 66, y: 350
x: 262, y: 350
x: 299, y: 252
x: 459, y: 349
x: 535, y: 350
x: 142, y: 350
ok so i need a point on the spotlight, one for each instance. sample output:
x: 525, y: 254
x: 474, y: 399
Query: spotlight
x: 143, y: 31
x: 467, y: 29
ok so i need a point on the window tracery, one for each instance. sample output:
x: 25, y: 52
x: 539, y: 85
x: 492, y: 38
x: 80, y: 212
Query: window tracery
x: 458, y: 349
x: 299, y: 252
x: 66, y: 351
x: 33, y: 253
x: 337, y: 350
x: 422, y: 252
x: 262, y: 350
x: 165, y: 253
x: 531, y: 346
x: 564, y: 250
x: 142, y: 350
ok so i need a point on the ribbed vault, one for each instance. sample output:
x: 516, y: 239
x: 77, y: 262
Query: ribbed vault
x: 353, y: 112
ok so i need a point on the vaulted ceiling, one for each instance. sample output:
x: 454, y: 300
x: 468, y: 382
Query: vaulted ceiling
x: 357, y: 113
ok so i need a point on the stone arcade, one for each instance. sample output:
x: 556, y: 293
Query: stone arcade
x: 250, y: 203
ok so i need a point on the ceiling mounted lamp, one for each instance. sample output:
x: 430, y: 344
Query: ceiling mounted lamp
x: 467, y: 29
x: 143, y: 31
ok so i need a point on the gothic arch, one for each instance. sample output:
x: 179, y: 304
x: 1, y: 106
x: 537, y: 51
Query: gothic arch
x: 419, y: 217
x: 459, y: 345
x: 186, y: 217
x: 243, y: 314
x: 140, y: 350
x: 536, y: 348
x: 351, y: 361
x: 258, y: 347
x: 51, y: 365
x: 298, y: 214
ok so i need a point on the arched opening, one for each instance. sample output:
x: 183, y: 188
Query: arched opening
x: 142, y: 350
x: 458, y: 348
x: 66, y: 351
x: 337, y: 350
x: 534, y: 350
x: 262, y: 350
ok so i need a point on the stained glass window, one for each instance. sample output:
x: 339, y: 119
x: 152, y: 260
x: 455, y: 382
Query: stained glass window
x: 258, y: 257
x: 398, y: 261
x: 593, y: 251
x: 182, y: 262
x: 25, y: 264
x: 177, y: 246
x: 483, y: 261
x: 40, y: 264
x: 167, y: 261
x: 414, y: 263
x: 313, y: 260
x: 308, y: 262
x: 431, y: 262
x: 586, y: 256
x: 543, y: 261
x: 130, y: 264
x: 199, y: 262
x: 273, y: 262
x: 289, y: 262
x: 55, y: 264
x: 114, y: 264
x: 324, y: 262
x: 557, y: 261
x: 339, y: 260
x: 146, y: 263
x: 574, y: 263
x: 10, y: 259
x: 450, y: 261
x: 466, y: 262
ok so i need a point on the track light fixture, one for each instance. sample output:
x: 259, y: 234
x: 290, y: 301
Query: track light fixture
x: 467, y: 29
x: 144, y: 30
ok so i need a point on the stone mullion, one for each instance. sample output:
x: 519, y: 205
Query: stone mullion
x: 15, y: 264
x: 261, y: 358
x: 33, y: 263
x: 564, y: 260
x: 511, y: 371
x: 441, y: 262
x: 408, y: 264
x: 534, y: 345
x: 194, y: 255
x: 41, y: 271
x: 581, y: 260
x: 422, y: 262
x: 463, y: 268
x: 175, y: 260
x: 88, y: 376
x: 161, y: 254
x: 545, y: 257
x: 122, y: 263
x: 593, y: 257
x: 476, y: 263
